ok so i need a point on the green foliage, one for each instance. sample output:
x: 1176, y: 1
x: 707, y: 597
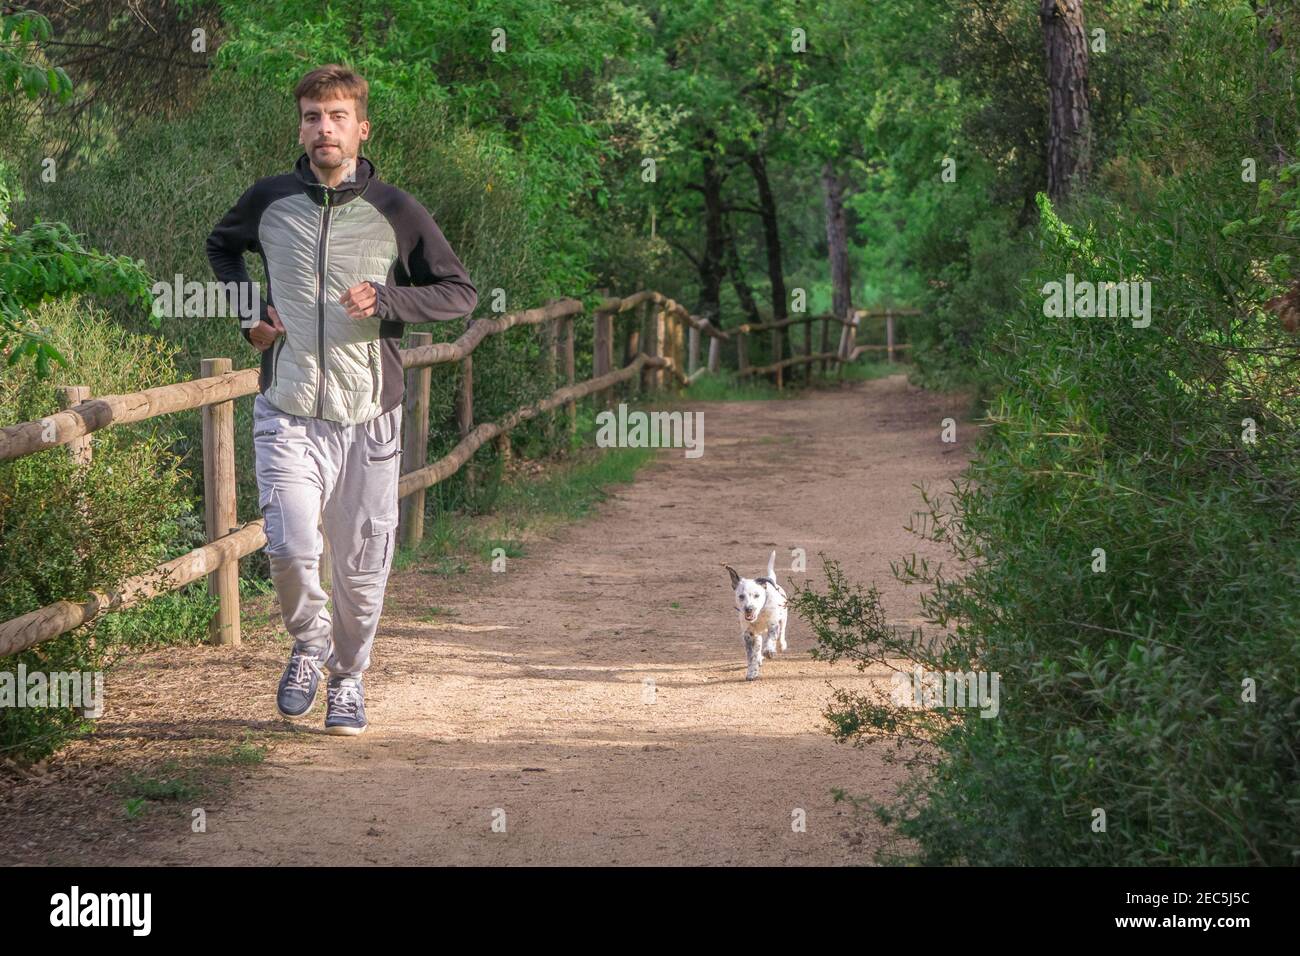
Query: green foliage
x: 170, y: 783
x: 865, y: 370
x: 67, y: 530
x: 20, y: 34
x: 45, y: 261
x: 247, y: 753
x: 530, y: 100
x: 975, y: 276
x: 1161, y: 689
x: 726, y: 386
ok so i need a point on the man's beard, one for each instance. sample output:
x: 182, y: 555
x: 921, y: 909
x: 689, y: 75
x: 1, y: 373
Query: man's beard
x: 331, y: 160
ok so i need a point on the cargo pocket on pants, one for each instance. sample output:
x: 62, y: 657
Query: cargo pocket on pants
x: 377, y: 542
x: 268, y: 501
x: 383, y: 435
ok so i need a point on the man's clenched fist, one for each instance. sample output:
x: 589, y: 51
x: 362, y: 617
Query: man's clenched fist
x: 264, y: 334
x: 360, y: 300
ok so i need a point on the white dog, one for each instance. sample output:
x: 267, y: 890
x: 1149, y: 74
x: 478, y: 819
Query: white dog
x: 760, y: 602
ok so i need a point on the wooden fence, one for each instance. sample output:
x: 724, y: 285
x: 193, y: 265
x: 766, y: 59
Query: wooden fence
x: 846, y: 352
x: 650, y: 356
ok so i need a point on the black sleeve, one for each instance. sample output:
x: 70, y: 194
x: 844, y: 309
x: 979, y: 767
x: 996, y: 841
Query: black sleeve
x: 428, y: 284
x: 234, y: 235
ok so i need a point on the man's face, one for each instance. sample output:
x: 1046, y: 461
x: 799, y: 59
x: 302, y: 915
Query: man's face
x: 330, y: 132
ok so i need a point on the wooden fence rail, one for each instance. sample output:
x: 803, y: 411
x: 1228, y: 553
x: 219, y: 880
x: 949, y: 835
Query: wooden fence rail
x: 653, y: 342
x: 847, y: 352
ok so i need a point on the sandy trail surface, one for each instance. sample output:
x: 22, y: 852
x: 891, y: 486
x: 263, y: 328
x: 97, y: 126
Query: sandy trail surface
x: 592, y: 699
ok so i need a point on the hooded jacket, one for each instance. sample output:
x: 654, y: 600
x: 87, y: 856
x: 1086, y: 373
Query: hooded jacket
x: 316, y: 242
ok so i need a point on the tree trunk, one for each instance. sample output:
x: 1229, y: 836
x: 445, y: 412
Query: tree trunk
x: 837, y: 242
x: 772, y: 240
x: 737, y: 272
x: 1069, y: 146
x: 710, y: 265
x: 1265, y: 124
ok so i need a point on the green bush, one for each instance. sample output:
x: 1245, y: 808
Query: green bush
x: 66, y: 530
x: 1163, y: 688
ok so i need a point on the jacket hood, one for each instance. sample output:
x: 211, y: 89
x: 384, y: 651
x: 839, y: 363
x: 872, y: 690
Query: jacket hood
x: 365, y: 172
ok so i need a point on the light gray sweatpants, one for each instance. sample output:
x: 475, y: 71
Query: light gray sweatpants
x: 305, y: 465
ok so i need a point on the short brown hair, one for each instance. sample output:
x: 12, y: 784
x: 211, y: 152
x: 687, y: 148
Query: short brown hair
x: 333, y: 80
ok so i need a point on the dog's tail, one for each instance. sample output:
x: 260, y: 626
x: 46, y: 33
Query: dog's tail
x: 771, y: 567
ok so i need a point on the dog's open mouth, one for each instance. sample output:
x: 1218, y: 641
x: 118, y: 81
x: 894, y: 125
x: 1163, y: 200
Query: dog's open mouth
x: 751, y: 617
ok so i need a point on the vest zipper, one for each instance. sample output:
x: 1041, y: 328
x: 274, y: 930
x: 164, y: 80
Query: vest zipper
x: 275, y: 362
x: 321, y: 261
x: 374, y: 372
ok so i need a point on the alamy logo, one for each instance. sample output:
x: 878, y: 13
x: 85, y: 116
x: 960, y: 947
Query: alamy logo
x: 58, y: 689
x: 207, y: 300
x: 929, y: 689
x: 103, y: 909
x: 651, y: 430
x: 1098, y: 300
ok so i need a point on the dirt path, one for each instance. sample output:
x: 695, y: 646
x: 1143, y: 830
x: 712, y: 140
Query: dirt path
x: 531, y: 697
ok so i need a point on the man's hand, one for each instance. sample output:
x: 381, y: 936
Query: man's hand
x: 360, y: 300
x: 264, y: 334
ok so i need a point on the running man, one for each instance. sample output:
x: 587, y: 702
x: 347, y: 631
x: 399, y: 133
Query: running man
x: 350, y: 261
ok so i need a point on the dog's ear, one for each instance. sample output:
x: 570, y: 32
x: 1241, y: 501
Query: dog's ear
x: 735, y: 578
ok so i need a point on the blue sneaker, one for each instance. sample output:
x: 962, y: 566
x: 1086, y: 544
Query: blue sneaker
x: 298, y: 685
x: 345, y: 706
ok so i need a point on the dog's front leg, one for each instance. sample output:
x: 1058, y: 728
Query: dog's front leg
x: 753, y: 654
x: 781, y: 637
x: 769, y: 646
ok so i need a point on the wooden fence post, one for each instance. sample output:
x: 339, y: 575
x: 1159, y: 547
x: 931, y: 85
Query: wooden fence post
x: 633, y: 384
x: 550, y: 345
x: 647, y: 338
x: 843, y: 350
x: 715, y: 353
x: 465, y: 413
x: 826, y: 342
x: 668, y: 350
x: 632, y: 341
x: 777, y: 356
x: 678, y: 326
x: 81, y: 452
x: 569, y: 368
x: 603, y: 353
x: 219, y: 504
x: 415, y: 442
x: 611, y: 338
x: 848, y: 340
x: 662, y: 346
x: 692, y: 350
x: 889, y: 334
x: 79, y: 449
x: 742, y: 352
x: 807, y: 350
